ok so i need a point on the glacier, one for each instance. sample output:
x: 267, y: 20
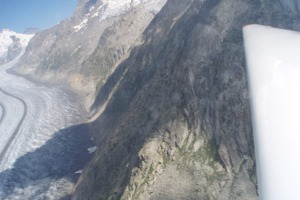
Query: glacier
x: 43, y: 139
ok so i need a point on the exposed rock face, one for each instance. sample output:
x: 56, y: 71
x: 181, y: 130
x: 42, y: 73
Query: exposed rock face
x: 84, y: 49
x: 14, y: 49
x: 176, y: 117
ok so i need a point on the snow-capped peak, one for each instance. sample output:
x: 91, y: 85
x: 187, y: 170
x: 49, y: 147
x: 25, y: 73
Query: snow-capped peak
x: 117, y: 7
x: 109, y: 8
x: 6, y: 40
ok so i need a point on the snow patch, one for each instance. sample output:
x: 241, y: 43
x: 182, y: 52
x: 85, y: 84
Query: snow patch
x: 81, y: 25
x: 117, y: 7
x: 92, y: 8
x: 96, y: 14
x: 92, y: 149
x: 76, y: 49
x: 79, y: 171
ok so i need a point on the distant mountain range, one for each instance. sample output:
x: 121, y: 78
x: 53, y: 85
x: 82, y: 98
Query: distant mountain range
x: 11, y: 44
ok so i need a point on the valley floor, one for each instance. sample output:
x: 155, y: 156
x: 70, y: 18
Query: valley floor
x: 42, y: 139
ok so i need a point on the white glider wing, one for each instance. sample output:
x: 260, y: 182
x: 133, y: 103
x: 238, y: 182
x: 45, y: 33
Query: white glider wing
x: 273, y: 65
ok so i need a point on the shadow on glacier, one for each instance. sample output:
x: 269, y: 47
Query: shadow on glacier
x: 60, y: 157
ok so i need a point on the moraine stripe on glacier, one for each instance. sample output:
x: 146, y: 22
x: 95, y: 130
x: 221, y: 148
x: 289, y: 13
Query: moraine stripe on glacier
x: 15, y: 109
x: 2, y: 113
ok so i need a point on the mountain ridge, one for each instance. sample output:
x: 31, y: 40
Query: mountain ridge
x: 70, y: 43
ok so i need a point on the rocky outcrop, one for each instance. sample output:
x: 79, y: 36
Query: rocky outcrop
x: 174, y: 117
x: 14, y: 49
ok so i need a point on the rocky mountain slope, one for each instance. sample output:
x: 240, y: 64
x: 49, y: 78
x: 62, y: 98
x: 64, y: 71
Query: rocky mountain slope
x: 12, y: 44
x: 99, y: 33
x: 171, y: 111
x: 178, y: 123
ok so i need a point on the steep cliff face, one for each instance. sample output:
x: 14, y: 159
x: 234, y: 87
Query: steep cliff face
x: 84, y: 49
x: 174, y: 118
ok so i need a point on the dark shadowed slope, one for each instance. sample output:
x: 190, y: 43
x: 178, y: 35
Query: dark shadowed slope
x: 177, y: 120
x: 32, y: 175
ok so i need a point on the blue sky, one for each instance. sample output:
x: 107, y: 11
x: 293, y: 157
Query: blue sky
x: 17, y: 15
